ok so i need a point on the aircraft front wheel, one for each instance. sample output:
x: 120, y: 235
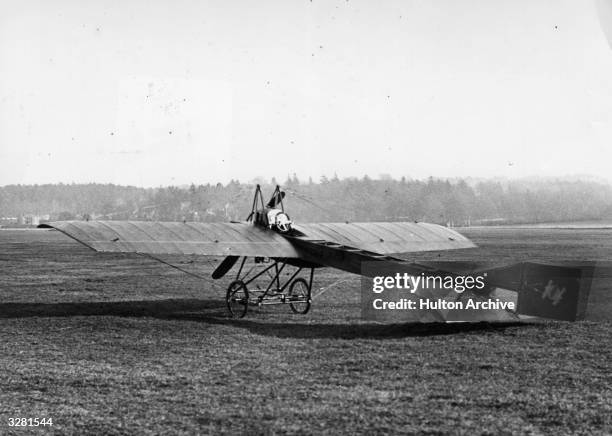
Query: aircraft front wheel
x: 237, y: 299
x: 299, y: 296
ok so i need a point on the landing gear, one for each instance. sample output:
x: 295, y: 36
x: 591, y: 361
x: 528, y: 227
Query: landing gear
x: 239, y: 296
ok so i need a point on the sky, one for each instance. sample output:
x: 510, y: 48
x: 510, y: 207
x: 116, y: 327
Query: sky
x: 153, y: 93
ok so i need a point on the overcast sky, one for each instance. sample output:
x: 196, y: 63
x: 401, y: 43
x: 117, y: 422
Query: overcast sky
x: 171, y: 92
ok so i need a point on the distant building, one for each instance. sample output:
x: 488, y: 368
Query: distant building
x: 8, y: 221
x: 25, y: 220
x: 31, y: 220
x: 490, y: 221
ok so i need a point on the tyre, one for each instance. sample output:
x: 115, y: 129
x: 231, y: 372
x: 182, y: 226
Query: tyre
x: 299, y: 291
x: 237, y: 299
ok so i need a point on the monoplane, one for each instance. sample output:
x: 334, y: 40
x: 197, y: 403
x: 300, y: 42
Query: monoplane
x: 276, y: 245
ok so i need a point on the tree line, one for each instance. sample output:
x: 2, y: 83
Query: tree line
x: 451, y: 202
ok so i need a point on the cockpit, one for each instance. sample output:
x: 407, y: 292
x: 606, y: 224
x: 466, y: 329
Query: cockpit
x: 274, y: 219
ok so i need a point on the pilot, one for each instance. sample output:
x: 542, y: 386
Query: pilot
x: 279, y: 220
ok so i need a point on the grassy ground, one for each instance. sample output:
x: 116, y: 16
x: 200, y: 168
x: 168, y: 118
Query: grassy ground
x: 119, y: 344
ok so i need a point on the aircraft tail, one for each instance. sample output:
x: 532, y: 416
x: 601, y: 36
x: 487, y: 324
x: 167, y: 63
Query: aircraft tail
x: 546, y: 291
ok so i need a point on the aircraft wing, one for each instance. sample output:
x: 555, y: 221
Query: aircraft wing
x: 212, y: 239
x: 242, y: 239
x: 386, y: 237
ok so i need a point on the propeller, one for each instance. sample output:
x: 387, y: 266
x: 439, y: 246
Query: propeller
x: 224, y: 266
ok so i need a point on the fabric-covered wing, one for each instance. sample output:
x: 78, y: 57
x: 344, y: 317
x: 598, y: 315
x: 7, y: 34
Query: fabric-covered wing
x: 213, y: 239
x: 387, y: 237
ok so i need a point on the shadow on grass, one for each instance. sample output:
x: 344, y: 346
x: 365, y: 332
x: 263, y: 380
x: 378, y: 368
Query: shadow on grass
x: 131, y: 308
x: 364, y: 330
x: 214, y: 312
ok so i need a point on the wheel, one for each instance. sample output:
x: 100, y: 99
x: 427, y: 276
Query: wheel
x: 237, y: 299
x: 299, y: 289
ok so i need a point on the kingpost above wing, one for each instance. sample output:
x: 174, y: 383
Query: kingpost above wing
x: 210, y: 239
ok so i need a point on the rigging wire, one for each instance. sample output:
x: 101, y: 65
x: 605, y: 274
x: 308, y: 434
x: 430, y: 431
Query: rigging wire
x: 311, y: 202
x: 322, y: 290
x: 192, y: 274
x: 328, y: 287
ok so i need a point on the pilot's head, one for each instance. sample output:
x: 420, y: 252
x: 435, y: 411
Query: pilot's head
x: 279, y: 220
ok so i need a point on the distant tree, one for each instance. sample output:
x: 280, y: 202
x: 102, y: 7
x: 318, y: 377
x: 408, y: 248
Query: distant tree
x: 66, y: 216
x: 352, y: 199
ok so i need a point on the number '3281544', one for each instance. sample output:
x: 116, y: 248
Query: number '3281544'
x: 30, y: 422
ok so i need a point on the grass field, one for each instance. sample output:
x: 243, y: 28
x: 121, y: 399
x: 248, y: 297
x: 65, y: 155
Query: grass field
x: 120, y: 344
